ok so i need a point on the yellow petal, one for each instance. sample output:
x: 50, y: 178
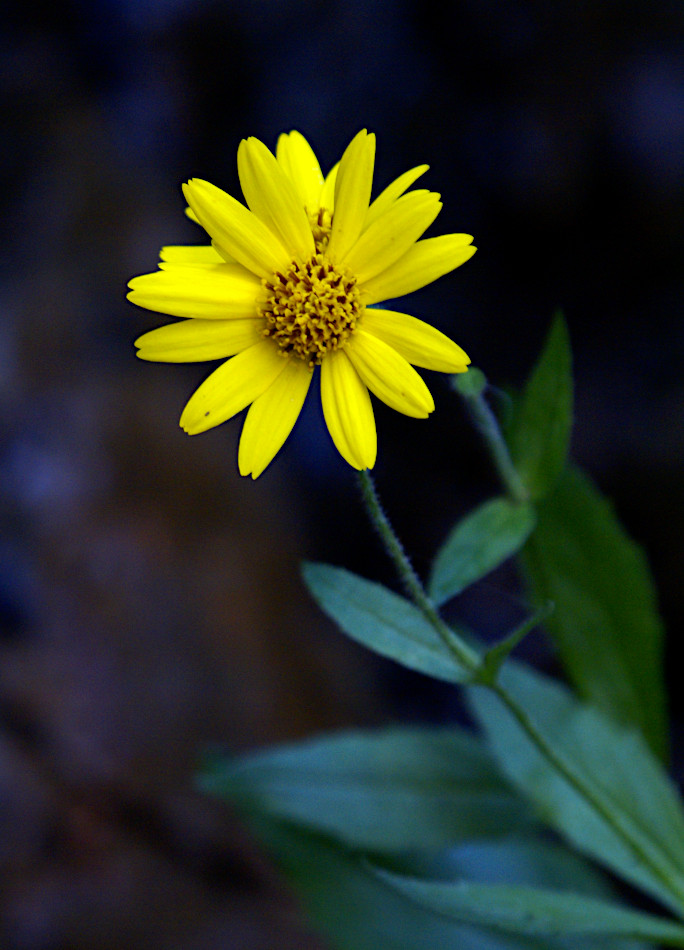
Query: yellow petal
x: 387, y: 197
x: 236, y: 229
x: 231, y: 387
x: 348, y: 411
x: 418, y: 342
x: 190, y: 254
x: 271, y: 195
x: 298, y: 161
x: 391, y: 235
x: 271, y: 417
x: 327, y: 197
x: 191, y: 341
x: 220, y: 252
x: 424, y: 262
x: 352, y: 194
x: 212, y: 292
x: 223, y: 253
x: 389, y: 375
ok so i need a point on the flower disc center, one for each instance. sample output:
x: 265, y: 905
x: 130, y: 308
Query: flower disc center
x: 311, y: 308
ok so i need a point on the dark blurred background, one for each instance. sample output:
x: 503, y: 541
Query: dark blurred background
x: 150, y: 601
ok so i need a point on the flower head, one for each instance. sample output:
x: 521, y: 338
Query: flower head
x: 287, y: 285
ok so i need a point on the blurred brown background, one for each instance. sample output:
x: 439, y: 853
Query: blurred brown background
x: 150, y: 600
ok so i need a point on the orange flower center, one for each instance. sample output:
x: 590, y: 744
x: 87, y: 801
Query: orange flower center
x: 311, y: 308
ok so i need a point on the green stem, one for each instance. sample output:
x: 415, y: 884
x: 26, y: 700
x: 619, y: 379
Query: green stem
x: 487, y: 425
x: 470, y: 660
x: 466, y: 657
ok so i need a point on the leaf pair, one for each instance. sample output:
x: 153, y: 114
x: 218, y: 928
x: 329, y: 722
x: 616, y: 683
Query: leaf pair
x: 409, y: 838
x: 632, y: 822
x: 646, y: 846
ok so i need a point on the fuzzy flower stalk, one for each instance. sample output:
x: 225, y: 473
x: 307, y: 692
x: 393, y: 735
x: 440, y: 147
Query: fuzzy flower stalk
x: 290, y: 283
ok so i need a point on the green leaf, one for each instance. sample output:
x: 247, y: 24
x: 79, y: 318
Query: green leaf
x: 347, y: 901
x: 386, y: 791
x: 539, y: 435
x: 357, y: 911
x: 479, y: 543
x: 496, y: 656
x: 634, y: 825
x: 533, y: 911
x: 606, y: 625
x: 384, y: 622
x: 533, y: 860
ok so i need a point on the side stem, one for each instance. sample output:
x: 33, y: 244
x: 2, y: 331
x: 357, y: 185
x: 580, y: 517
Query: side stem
x: 487, y: 425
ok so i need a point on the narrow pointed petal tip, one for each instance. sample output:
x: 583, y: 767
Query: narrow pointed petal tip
x: 348, y: 411
x: 392, y: 234
x: 193, y: 341
x: 209, y: 291
x: 389, y: 376
x: 394, y: 191
x: 190, y: 254
x: 422, y: 264
x: 235, y: 228
x: 232, y: 387
x: 271, y: 195
x: 418, y: 342
x: 352, y: 194
x: 272, y: 417
x: 299, y: 162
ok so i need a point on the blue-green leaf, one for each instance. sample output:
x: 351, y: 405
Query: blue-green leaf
x: 496, y: 656
x: 606, y: 624
x: 530, y: 859
x: 533, y: 912
x: 347, y: 901
x: 632, y: 821
x: 478, y: 544
x: 385, y: 622
x: 357, y: 911
x: 539, y: 434
x: 386, y: 791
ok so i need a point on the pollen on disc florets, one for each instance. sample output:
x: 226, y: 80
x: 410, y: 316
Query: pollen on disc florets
x: 321, y: 228
x: 311, y: 308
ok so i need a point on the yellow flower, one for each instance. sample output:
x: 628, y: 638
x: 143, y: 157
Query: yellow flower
x: 286, y: 285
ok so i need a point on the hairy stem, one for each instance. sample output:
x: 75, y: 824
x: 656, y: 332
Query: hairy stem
x: 487, y: 425
x: 466, y: 657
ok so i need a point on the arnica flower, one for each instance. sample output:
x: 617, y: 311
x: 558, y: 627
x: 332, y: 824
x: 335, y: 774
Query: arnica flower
x: 287, y: 285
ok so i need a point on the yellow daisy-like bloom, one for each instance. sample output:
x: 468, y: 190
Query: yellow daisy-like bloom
x: 286, y: 285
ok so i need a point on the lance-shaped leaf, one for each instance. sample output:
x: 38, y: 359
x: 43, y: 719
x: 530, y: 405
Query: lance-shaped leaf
x: 347, y: 901
x: 606, y: 623
x: 478, y: 544
x: 386, y: 623
x: 356, y: 911
x: 532, y: 911
x: 539, y: 434
x: 387, y: 791
x: 605, y: 793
